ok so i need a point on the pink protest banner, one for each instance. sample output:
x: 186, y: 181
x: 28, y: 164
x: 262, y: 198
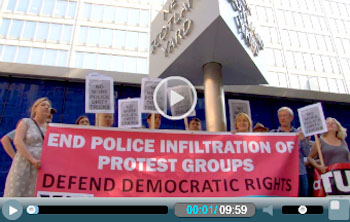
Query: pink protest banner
x: 109, y: 162
x: 336, y: 180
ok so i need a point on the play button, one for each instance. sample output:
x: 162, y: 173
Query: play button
x: 175, y: 98
x: 12, y: 209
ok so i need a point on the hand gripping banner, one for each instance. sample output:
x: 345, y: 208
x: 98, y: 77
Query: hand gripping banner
x: 110, y: 162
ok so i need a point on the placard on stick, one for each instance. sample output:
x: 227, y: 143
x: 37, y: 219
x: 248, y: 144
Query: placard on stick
x: 99, y: 91
x: 185, y: 104
x: 237, y: 106
x: 312, y: 120
x: 129, y: 113
x: 147, y: 89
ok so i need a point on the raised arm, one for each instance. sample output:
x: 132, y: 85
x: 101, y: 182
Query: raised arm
x: 312, y: 155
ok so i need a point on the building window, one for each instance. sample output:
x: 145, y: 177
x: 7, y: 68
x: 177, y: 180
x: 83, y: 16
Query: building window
x: 79, y: 60
x: 109, y: 14
x: 143, y: 41
x: 29, y: 29
x: 142, y: 66
x: 90, y: 60
x: 133, y: 16
x: 23, y: 55
x: 119, y: 38
x: 323, y: 84
x: 62, y: 58
x: 327, y: 64
x: 83, y: 33
x: 22, y: 5
x: 289, y: 60
x: 35, y: 6
x: 130, y: 64
x: 11, y: 5
x: 299, y: 61
x: 71, y: 9
x: 9, y: 53
x: 308, y: 62
x: 144, y: 18
x: 96, y: 13
x: 106, y: 37
x: 93, y: 36
x: 50, y: 57
x: 122, y: 15
x: 87, y: 11
x: 67, y: 34
x: 41, y: 34
x: 16, y: 28
x: 55, y: 32
x: 313, y: 81
x: 294, y: 81
x: 341, y: 86
x: 48, y: 7
x: 103, y: 62
x: 117, y: 63
x: 4, y: 27
x: 60, y: 9
x: 132, y: 40
x: 304, y: 82
x: 37, y: 56
x: 335, y: 66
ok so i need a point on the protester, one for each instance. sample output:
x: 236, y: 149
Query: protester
x: 333, y: 146
x: 83, y: 120
x: 243, y: 123
x: 157, y: 120
x: 259, y: 127
x: 6, y: 143
x: 29, y: 136
x: 104, y: 119
x: 195, y: 124
x: 285, y: 118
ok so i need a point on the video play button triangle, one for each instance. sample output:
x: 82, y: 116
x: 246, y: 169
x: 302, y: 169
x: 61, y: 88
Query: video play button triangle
x: 12, y: 210
x: 175, y: 98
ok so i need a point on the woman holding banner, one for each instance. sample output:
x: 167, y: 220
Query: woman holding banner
x: 333, y: 146
x: 243, y: 123
x: 29, y: 137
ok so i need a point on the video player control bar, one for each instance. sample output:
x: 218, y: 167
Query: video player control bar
x: 81, y: 209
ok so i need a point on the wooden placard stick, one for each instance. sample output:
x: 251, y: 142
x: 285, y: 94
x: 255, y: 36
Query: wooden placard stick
x: 318, y: 146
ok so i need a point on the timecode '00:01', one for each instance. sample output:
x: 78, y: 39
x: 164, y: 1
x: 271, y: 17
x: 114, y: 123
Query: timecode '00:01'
x: 204, y: 209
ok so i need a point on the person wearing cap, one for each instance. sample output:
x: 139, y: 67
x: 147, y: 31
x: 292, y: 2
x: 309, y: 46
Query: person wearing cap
x: 82, y: 120
x: 7, y: 140
x: 285, y: 118
x: 195, y: 124
x: 259, y: 127
x: 157, y: 120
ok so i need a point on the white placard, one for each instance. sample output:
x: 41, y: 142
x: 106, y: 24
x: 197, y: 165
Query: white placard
x: 312, y: 119
x: 129, y: 113
x: 185, y: 104
x: 237, y: 106
x: 147, y: 89
x: 99, y: 91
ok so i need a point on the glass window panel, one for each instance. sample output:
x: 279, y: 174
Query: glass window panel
x: 144, y: 18
x: 304, y: 82
x: 289, y: 59
x: 318, y: 7
x: 307, y: 21
x: 265, y: 34
x: 117, y: 63
x: 309, y: 64
x: 269, y: 57
x: 87, y: 11
x: 333, y: 86
x: 109, y: 14
x: 321, y: 43
x: 50, y: 57
x: 22, y: 5
x: 299, y: 61
x: 83, y: 33
x: 345, y: 67
x: 132, y: 40
x: 122, y: 15
x: 318, y: 63
x: 294, y: 39
x: 341, y: 86
x: 48, y: 7
x: 42, y: 31
x: 279, y: 59
x: 283, y: 80
x: 315, y: 23
x: 303, y: 40
x: 323, y: 25
x: 79, y: 59
x: 339, y: 45
x: 335, y: 66
x: 329, y: 43
x: 90, y: 60
x: 347, y: 26
x: 143, y: 41
x: 130, y: 64
x: 289, y: 15
x: 323, y: 84
x: 67, y: 34
x: 11, y: 5
x: 93, y: 36
x: 272, y: 79
x: 23, y: 55
x: 313, y: 81
x: 35, y: 6
x: 71, y: 9
x: 16, y: 28
x: 62, y: 58
x: 97, y: 13
x: 346, y: 45
x: 274, y: 36
x: 106, y: 37
x: 341, y: 26
x: 327, y: 64
x: 103, y: 62
x: 334, y: 8
x: 9, y: 53
x: 298, y: 20
x: 119, y: 39
x: 333, y: 25
x: 142, y: 66
x: 285, y: 37
x: 29, y: 29
x: 37, y: 56
x: 133, y: 16
x: 60, y: 9
x: 55, y: 32
x: 294, y: 81
x: 261, y: 14
x: 4, y: 27
x: 312, y: 41
x: 270, y: 15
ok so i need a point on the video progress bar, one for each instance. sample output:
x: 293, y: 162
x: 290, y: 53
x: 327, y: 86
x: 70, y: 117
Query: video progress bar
x: 74, y: 209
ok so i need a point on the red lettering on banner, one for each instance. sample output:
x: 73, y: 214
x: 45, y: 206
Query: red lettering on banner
x: 140, y: 163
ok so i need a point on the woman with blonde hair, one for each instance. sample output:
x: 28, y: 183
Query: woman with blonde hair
x: 243, y: 123
x: 104, y: 119
x: 29, y: 137
x: 333, y: 146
